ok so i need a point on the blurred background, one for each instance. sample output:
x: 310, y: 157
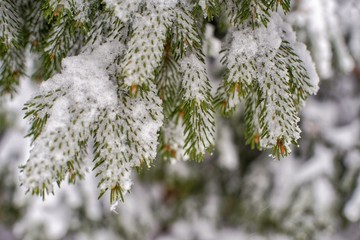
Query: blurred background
x: 236, y: 193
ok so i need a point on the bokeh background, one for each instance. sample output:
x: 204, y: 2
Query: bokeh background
x: 236, y: 193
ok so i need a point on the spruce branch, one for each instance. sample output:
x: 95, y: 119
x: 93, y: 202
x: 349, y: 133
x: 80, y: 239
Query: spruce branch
x: 258, y: 12
x: 209, y: 8
x: 126, y: 140
x: 128, y: 80
x: 146, y: 46
x: 168, y: 78
x: 273, y: 80
x: 185, y: 32
x: 12, y: 60
x: 198, y: 116
x: 65, y: 36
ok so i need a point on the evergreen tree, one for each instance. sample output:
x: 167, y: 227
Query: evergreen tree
x: 236, y: 193
x: 128, y: 80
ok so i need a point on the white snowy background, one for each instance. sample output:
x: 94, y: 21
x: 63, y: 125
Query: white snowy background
x: 309, y: 195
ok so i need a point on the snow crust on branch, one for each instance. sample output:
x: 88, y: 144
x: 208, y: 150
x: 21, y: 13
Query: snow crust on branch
x: 146, y: 48
x: 268, y: 63
x: 83, y: 103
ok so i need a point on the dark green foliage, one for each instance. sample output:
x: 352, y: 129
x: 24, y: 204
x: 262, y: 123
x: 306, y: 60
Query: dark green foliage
x: 258, y: 11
